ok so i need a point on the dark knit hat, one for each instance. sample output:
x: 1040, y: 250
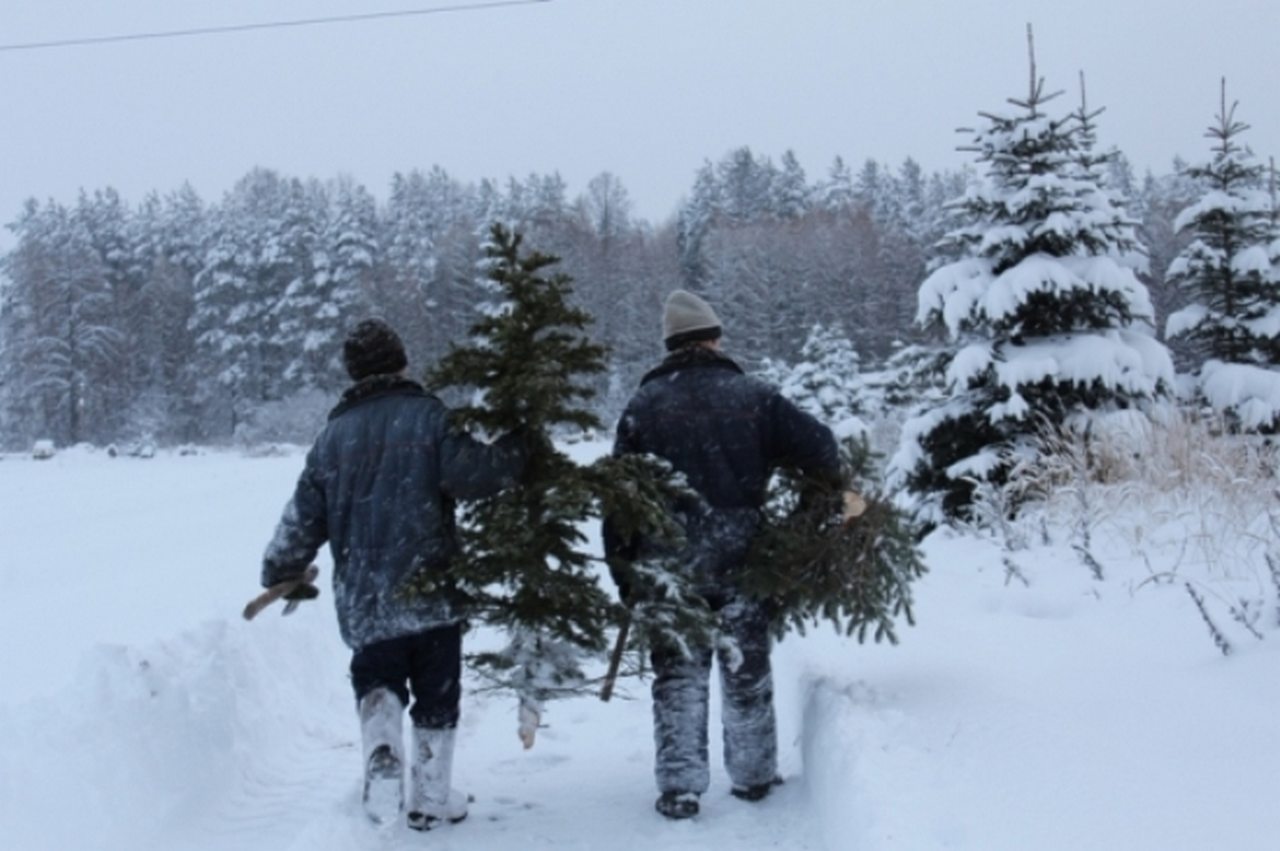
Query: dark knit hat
x: 373, y: 348
x: 688, y: 319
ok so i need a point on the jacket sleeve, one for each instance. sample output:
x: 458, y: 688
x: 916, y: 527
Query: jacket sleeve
x: 800, y: 440
x: 302, y: 530
x: 616, y: 545
x: 471, y: 469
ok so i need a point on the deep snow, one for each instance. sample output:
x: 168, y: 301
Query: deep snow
x: 140, y: 712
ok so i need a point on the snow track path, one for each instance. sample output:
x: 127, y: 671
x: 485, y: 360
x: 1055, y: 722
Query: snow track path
x: 153, y: 717
x: 242, y: 737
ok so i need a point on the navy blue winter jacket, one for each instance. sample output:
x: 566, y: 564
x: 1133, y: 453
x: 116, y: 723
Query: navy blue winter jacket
x: 726, y: 432
x: 379, y: 485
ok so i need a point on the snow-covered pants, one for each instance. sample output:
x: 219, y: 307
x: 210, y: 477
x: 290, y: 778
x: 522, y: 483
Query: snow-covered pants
x: 680, y: 700
x: 429, y: 662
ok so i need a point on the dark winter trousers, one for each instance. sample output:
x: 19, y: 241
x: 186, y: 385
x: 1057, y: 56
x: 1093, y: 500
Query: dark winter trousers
x: 429, y: 663
x: 680, y: 699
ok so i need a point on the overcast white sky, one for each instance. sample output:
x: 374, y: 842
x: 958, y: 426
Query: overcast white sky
x: 646, y: 89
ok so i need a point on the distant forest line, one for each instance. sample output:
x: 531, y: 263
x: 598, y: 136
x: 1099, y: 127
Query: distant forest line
x: 180, y: 320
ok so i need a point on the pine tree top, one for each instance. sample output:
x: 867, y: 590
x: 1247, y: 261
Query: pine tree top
x: 529, y: 354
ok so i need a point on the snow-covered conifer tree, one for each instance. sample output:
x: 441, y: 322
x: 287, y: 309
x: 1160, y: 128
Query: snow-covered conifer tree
x: 790, y: 189
x: 836, y: 193
x: 58, y: 328
x: 259, y: 249
x: 746, y: 183
x: 1043, y: 304
x: 826, y: 382
x: 695, y: 219
x: 430, y: 247
x: 1228, y: 271
x: 317, y: 308
x: 116, y: 237
x: 410, y: 248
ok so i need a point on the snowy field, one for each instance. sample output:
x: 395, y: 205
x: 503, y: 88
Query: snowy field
x: 140, y: 712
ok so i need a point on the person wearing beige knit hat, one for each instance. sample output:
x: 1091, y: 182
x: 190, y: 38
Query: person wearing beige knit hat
x: 725, y: 432
x: 686, y: 318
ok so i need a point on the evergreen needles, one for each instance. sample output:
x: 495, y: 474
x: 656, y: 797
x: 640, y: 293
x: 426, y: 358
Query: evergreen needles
x: 813, y: 564
x: 523, y: 567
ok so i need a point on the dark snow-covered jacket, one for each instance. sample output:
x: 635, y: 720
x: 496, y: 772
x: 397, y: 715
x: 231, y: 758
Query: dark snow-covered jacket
x: 726, y: 432
x: 379, y: 485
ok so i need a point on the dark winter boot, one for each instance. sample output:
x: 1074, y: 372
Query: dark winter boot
x: 677, y: 805
x: 757, y: 792
x: 381, y: 736
x: 432, y: 800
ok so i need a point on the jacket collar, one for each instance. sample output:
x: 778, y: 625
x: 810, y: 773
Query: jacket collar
x: 691, y: 357
x: 376, y: 386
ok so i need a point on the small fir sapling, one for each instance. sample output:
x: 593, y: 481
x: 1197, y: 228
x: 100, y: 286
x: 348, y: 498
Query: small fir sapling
x: 818, y: 558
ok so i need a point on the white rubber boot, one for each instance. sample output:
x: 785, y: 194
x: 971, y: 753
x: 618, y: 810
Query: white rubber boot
x: 432, y: 798
x: 382, y: 737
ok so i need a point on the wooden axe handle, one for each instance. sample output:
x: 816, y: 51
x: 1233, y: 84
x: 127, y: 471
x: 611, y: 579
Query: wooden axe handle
x: 275, y: 592
x: 615, y: 659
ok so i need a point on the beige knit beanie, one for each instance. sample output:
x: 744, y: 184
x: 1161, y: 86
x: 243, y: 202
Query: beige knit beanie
x: 688, y: 319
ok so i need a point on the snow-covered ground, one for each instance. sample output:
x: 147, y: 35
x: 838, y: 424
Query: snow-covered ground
x: 139, y: 711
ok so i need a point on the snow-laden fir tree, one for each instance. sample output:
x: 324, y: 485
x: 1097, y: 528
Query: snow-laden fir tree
x: 1114, y: 228
x: 1229, y: 274
x: 262, y: 245
x: 524, y: 567
x: 59, y: 345
x: 825, y: 382
x: 909, y: 378
x: 835, y: 194
x: 318, y: 302
x: 1043, y: 303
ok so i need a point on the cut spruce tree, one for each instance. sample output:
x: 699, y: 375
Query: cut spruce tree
x: 845, y: 555
x: 524, y: 567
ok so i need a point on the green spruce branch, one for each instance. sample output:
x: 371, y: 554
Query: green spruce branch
x: 813, y: 564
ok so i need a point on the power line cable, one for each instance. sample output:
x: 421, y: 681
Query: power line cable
x: 266, y: 25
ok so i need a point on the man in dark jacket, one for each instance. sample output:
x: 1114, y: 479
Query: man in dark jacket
x: 726, y: 432
x: 379, y: 485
